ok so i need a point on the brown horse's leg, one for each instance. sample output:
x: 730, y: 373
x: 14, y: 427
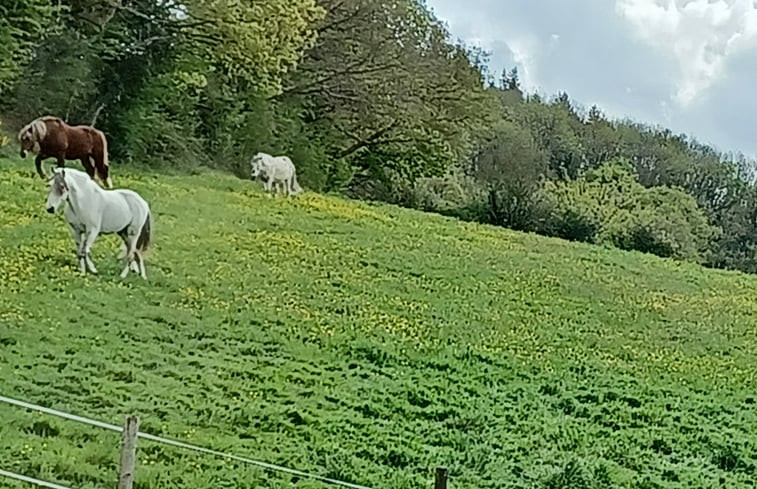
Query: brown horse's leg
x: 101, y: 163
x: 88, y: 166
x: 38, y: 164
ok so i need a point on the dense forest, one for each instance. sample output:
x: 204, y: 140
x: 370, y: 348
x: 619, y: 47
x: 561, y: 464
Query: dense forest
x: 373, y: 99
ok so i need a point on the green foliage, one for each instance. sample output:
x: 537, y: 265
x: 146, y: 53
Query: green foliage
x: 23, y: 23
x: 387, y: 91
x: 557, y: 130
x: 62, y: 79
x: 668, y: 223
x: 608, y: 205
x: 368, y: 343
x: 453, y: 194
x: 252, y: 43
x: 161, y: 123
x: 511, y: 167
x: 3, y: 138
x: 575, y: 476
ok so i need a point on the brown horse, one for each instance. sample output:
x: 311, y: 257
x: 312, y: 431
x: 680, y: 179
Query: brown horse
x: 50, y: 137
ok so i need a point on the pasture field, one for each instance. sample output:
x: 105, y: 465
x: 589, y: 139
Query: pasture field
x: 369, y: 344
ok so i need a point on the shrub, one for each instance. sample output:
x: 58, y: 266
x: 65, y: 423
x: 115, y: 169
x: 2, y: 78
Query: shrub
x: 3, y: 138
x: 160, y: 126
x: 454, y: 194
x: 609, y: 205
x: 666, y: 222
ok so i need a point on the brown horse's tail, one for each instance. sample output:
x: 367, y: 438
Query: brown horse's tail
x: 101, y: 158
x: 145, y: 235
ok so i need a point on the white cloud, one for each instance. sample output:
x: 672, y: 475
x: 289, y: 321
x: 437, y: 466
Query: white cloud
x: 524, y: 54
x: 698, y: 35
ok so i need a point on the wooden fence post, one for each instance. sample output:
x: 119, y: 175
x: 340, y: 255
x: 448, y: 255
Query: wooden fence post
x: 128, y: 453
x: 441, y: 478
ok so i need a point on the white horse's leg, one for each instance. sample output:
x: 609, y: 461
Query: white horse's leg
x: 271, y: 189
x: 141, y: 259
x: 91, y: 236
x: 91, y: 265
x: 125, y: 271
x: 81, y: 244
x: 76, y: 235
x: 122, y: 252
x: 130, y: 254
x: 288, y: 182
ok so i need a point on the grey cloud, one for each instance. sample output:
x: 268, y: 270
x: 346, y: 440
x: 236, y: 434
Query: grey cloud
x: 597, y: 59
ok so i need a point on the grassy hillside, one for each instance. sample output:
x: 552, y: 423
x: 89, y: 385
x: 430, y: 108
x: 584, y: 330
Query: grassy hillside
x: 369, y: 344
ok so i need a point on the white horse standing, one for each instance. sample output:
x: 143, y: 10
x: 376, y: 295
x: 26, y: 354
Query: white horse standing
x: 91, y: 211
x: 277, y: 170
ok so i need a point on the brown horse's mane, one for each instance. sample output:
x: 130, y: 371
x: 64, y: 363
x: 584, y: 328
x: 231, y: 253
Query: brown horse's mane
x: 51, y: 118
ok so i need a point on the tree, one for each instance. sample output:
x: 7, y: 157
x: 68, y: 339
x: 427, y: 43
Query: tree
x: 383, y: 80
x: 23, y: 24
x: 511, y: 167
x: 510, y: 82
x: 601, y: 140
x: 557, y: 130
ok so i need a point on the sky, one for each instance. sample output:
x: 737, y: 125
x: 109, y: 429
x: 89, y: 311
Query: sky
x: 688, y: 65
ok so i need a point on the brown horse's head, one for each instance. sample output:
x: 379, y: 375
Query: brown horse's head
x: 31, y: 136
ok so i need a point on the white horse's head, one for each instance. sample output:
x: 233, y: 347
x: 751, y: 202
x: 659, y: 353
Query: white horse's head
x: 58, y: 192
x: 257, y: 165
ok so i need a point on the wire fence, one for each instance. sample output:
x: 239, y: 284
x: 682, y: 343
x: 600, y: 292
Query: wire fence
x: 166, y: 441
x: 30, y: 480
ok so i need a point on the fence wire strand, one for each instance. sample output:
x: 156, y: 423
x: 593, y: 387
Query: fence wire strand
x: 30, y: 480
x: 176, y: 443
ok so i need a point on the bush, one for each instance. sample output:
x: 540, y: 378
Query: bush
x: 609, y: 205
x: 3, y: 138
x: 666, y: 222
x: 454, y: 194
x: 160, y: 127
x: 574, y: 224
x: 571, y: 211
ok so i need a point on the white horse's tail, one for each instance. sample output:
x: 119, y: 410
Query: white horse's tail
x: 296, y: 189
x: 145, y: 235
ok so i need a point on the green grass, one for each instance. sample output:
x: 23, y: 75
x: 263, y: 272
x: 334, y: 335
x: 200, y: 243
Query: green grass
x: 369, y: 344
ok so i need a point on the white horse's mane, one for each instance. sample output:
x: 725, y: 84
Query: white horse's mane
x: 79, y: 176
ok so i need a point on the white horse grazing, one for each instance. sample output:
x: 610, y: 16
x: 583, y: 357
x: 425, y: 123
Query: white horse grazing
x: 90, y: 211
x: 277, y: 170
